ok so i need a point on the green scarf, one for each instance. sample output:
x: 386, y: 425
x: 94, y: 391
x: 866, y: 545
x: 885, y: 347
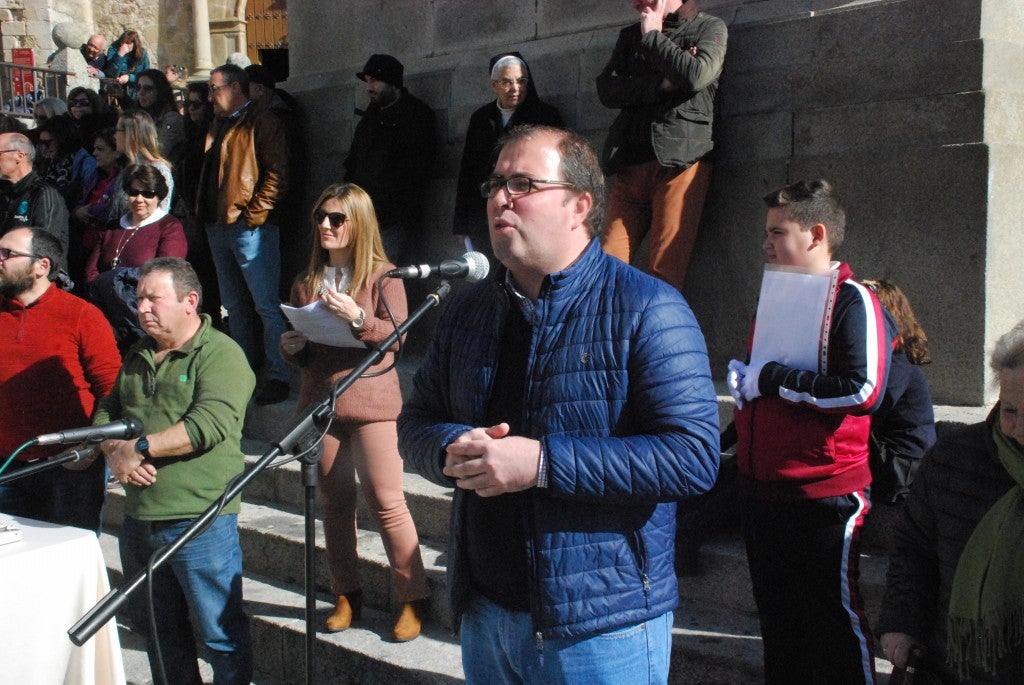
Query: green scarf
x: 986, y: 606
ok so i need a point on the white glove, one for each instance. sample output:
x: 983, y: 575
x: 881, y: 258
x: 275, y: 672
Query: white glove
x: 734, y: 379
x: 749, y: 387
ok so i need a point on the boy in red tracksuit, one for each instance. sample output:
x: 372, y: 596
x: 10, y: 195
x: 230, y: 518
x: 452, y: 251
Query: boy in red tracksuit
x: 802, y: 453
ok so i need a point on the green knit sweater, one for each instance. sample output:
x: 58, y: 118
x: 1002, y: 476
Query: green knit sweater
x: 206, y: 384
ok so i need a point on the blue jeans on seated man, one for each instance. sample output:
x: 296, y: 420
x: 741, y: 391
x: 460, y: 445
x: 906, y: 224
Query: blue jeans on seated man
x: 499, y: 648
x: 199, y: 587
x: 58, y: 495
x: 248, y: 262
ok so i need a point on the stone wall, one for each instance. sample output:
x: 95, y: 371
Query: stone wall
x: 912, y: 107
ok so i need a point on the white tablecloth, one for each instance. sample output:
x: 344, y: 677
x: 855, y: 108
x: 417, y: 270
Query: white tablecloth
x: 48, y: 580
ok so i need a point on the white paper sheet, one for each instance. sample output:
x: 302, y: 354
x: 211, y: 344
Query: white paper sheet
x: 317, y: 323
x: 791, y: 317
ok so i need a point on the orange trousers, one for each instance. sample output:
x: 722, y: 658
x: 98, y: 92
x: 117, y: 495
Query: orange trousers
x: 663, y: 201
x: 371, y: 450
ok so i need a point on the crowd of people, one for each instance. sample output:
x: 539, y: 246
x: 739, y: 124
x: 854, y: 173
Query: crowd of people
x: 567, y: 399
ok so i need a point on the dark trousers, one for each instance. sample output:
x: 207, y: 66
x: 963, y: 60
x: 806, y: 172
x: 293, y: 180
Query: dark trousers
x: 804, y: 564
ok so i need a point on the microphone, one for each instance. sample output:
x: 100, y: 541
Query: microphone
x: 122, y: 429
x: 473, y: 266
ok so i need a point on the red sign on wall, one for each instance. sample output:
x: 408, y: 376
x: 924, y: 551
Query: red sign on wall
x: 23, y: 83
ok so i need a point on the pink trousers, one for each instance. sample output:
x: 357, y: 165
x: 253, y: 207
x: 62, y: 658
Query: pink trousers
x: 371, y: 450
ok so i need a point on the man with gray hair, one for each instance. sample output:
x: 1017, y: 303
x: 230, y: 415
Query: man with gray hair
x: 244, y: 179
x: 25, y: 198
x: 94, y: 51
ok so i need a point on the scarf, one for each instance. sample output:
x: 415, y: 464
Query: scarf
x: 986, y: 607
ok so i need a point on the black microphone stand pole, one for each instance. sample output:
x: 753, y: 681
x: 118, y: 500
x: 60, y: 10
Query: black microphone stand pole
x: 88, y: 450
x: 105, y: 609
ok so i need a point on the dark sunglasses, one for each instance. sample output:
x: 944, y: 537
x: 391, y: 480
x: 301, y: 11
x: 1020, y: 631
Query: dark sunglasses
x: 336, y: 218
x: 81, y: 102
x: 148, y: 194
x: 6, y: 253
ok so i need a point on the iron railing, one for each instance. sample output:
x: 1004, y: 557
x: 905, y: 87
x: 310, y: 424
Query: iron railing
x: 21, y: 87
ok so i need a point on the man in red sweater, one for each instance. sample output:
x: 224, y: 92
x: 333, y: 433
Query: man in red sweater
x: 57, y: 359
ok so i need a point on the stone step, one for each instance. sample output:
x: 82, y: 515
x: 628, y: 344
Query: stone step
x: 710, y: 645
x: 362, y: 654
x: 429, y: 503
x: 273, y: 546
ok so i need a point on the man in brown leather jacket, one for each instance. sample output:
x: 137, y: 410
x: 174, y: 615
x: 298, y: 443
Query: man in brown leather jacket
x: 243, y: 180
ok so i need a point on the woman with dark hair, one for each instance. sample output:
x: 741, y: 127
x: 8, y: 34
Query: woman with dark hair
x: 126, y: 59
x: 98, y: 188
x: 157, y: 99
x: 343, y: 277
x: 135, y: 136
x: 89, y: 111
x: 516, y: 102
x: 63, y: 162
x: 198, y: 119
x: 145, y: 232
x: 903, y: 426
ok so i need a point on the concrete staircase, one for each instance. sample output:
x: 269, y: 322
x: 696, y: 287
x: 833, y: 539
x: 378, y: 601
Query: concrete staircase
x: 715, y: 637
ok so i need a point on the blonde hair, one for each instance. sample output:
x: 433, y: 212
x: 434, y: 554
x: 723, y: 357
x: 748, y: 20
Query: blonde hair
x: 367, y: 249
x: 140, y: 138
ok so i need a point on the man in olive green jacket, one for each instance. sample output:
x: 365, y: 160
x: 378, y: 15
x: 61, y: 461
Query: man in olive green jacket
x: 188, y: 384
x: 663, y: 76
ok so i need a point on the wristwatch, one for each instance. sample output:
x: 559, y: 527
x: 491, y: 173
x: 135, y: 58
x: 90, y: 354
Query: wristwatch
x: 142, y: 447
x: 359, y: 320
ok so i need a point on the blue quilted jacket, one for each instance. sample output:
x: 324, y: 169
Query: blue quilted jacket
x: 619, y: 392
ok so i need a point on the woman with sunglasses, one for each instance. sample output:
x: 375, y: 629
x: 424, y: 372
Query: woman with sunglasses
x: 89, y: 111
x: 157, y: 99
x: 345, y: 265
x: 144, y: 232
x: 62, y: 161
x: 198, y: 118
x: 126, y: 59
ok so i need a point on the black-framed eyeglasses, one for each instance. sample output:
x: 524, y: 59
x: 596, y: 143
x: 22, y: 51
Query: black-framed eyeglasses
x: 6, y: 253
x: 336, y: 218
x: 517, y: 185
x: 135, y: 192
x: 81, y: 102
x: 10, y: 149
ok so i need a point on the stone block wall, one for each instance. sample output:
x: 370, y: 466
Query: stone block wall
x: 912, y: 107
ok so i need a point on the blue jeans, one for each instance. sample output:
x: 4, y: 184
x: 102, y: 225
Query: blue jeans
x: 248, y: 262
x: 499, y: 648
x: 57, y: 495
x: 199, y: 588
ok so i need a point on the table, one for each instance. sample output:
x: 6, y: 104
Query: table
x: 48, y: 580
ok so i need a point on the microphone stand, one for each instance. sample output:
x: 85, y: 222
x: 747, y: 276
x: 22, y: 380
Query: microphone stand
x: 97, y: 617
x: 76, y: 454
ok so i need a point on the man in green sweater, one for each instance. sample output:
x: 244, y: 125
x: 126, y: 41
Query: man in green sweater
x: 189, y: 385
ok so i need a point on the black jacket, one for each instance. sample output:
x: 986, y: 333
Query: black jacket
x: 392, y: 157
x: 34, y: 202
x: 478, y: 154
x: 958, y: 482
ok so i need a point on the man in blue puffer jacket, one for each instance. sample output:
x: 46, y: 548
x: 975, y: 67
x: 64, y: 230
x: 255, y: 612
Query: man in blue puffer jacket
x: 569, y: 401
